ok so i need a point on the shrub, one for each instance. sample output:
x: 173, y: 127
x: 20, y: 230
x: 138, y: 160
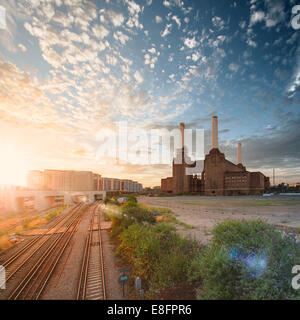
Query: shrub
x: 157, y: 254
x: 130, y: 213
x: 247, y: 260
x: 136, y: 213
x: 131, y: 199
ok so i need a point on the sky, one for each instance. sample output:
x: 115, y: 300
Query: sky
x: 71, y: 69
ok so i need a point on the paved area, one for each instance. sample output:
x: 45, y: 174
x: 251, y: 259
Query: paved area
x: 204, y: 212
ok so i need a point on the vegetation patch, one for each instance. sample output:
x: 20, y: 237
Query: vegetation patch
x: 17, y: 224
x: 172, y: 219
x: 247, y: 260
x: 160, y: 209
x: 243, y: 260
x: 152, y: 248
x: 241, y: 203
x: 55, y: 212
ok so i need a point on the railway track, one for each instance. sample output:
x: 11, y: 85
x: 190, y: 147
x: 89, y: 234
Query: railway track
x: 34, y: 282
x: 6, y: 259
x: 32, y: 266
x: 28, y: 253
x: 91, y: 284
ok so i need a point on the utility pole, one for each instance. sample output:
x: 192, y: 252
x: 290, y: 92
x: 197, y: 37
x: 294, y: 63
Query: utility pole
x: 273, y: 177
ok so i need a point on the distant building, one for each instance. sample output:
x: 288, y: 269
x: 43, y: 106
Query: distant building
x: 219, y: 177
x: 35, y: 179
x: 70, y: 180
x: 294, y: 185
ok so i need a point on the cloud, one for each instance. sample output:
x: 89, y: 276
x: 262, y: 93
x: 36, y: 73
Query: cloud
x: 218, y: 22
x: 278, y: 149
x: 196, y: 56
x: 120, y: 36
x: 275, y: 13
x: 134, y: 11
x: 22, y: 47
x: 166, y: 3
x: 166, y: 30
x: 256, y: 17
x: 111, y: 60
x: 251, y: 43
x: 177, y: 20
x: 117, y: 19
x: 23, y: 103
x: 190, y: 42
x: 233, y: 67
x: 158, y: 19
x: 100, y: 31
x: 139, y: 79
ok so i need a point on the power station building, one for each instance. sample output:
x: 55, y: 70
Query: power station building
x: 219, y: 177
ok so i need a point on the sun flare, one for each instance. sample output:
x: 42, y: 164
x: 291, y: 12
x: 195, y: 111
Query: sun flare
x: 13, y: 165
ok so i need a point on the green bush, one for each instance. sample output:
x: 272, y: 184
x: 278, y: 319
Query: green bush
x: 131, y: 199
x: 131, y: 213
x: 247, y: 260
x: 136, y: 213
x: 111, y: 200
x: 157, y: 254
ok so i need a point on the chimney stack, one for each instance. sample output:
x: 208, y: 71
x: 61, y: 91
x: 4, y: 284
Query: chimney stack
x: 182, y: 126
x: 239, y: 153
x: 214, y: 133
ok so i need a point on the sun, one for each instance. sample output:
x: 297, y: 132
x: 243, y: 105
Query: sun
x: 13, y: 164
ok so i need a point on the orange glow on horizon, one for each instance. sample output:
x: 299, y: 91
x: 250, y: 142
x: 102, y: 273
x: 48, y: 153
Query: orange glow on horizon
x: 13, y: 165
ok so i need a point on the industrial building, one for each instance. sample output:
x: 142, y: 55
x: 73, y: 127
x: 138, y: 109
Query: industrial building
x: 69, y: 180
x: 219, y: 177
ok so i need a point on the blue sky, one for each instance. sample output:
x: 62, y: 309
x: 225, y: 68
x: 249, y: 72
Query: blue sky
x: 81, y: 65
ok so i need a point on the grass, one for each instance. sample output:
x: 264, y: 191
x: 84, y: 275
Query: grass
x: 167, y: 216
x: 55, y: 212
x: 240, y: 203
x: 159, y: 209
x: 172, y: 219
x: 284, y: 221
x: 18, y: 224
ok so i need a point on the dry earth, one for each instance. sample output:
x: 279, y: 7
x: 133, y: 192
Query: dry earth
x: 204, y: 212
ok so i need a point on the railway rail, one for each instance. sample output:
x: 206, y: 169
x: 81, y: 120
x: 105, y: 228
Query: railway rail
x: 33, y: 264
x: 91, y: 284
x: 35, y: 281
x: 27, y: 253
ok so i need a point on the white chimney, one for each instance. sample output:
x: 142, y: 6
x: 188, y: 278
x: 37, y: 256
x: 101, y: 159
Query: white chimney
x: 239, y: 153
x: 214, y: 133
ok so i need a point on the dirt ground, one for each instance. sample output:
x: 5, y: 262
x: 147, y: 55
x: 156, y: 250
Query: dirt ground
x: 204, y: 212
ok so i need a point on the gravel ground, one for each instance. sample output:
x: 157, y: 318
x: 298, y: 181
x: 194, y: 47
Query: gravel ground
x: 216, y: 209
x: 111, y: 265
